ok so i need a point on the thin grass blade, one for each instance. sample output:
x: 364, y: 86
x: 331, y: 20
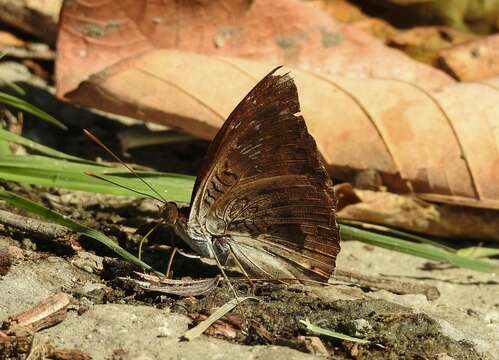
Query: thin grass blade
x: 58, y: 173
x: 16, y: 88
x: 25, y: 106
x: 422, y: 250
x: 14, y: 138
x: 394, y: 232
x: 321, y: 331
x: 476, y: 252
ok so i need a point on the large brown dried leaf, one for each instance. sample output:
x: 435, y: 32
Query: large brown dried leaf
x: 442, y: 142
x: 95, y: 34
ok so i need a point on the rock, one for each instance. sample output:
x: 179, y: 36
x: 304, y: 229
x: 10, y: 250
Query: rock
x: 359, y: 328
x: 88, y: 262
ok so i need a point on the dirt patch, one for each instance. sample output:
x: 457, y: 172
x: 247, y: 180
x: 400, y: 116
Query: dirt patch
x: 393, y: 330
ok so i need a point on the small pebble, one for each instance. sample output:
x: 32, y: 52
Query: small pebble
x: 359, y: 327
x: 164, y: 330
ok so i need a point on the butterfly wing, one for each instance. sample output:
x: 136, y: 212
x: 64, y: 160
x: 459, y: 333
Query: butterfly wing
x: 264, y: 188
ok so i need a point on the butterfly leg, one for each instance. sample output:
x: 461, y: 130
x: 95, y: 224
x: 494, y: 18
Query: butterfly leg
x: 144, y: 238
x: 219, y: 264
x: 170, y: 262
x: 240, y: 266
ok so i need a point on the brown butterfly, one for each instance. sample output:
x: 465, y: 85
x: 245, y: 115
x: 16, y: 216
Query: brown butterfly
x: 263, y: 194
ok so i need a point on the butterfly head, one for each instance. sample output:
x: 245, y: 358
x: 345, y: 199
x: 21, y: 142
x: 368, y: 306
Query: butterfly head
x: 170, y: 213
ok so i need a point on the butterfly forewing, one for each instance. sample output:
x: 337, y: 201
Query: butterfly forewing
x: 263, y: 186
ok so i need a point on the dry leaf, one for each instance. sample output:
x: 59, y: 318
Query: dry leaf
x: 473, y: 60
x: 424, y: 43
x: 414, y: 215
x: 314, y: 345
x: 219, y: 328
x: 96, y: 34
x: 346, y: 12
x: 8, y: 39
x: 468, y: 15
x: 415, y: 140
x: 378, y: 28
x: 36, y: 17
x: 341, y: 10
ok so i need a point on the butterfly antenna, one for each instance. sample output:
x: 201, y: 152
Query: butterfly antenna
x: 101, y: 144
x: 122, y: 186
x: 219, y: 264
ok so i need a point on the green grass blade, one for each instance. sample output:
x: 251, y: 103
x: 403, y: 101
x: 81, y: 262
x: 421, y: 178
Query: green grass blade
x: 477, y: 252
x: 25, y: 106
x: 57, y: 218
x: 394, y: 232
x: 11, y: 137
x: 422, y: 250
x: 321, y: 331
x: 16, y: 88
x: 172, y: 189
x: 58, y: 173
x: 41, y: 162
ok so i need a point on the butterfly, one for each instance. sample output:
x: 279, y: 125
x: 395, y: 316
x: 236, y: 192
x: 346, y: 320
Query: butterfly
x: 263, y: 196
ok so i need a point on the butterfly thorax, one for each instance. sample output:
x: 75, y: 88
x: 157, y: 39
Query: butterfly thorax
x: 201, y: 242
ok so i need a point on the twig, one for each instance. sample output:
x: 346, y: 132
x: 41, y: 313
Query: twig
x: 47, y: 313
x: 378, y: 282
x: 151, y: 283
x: 45, y: 229
x: 33, y: 225
x: 17, y: 337
x: 5, y: 261
x: 12, y: 345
